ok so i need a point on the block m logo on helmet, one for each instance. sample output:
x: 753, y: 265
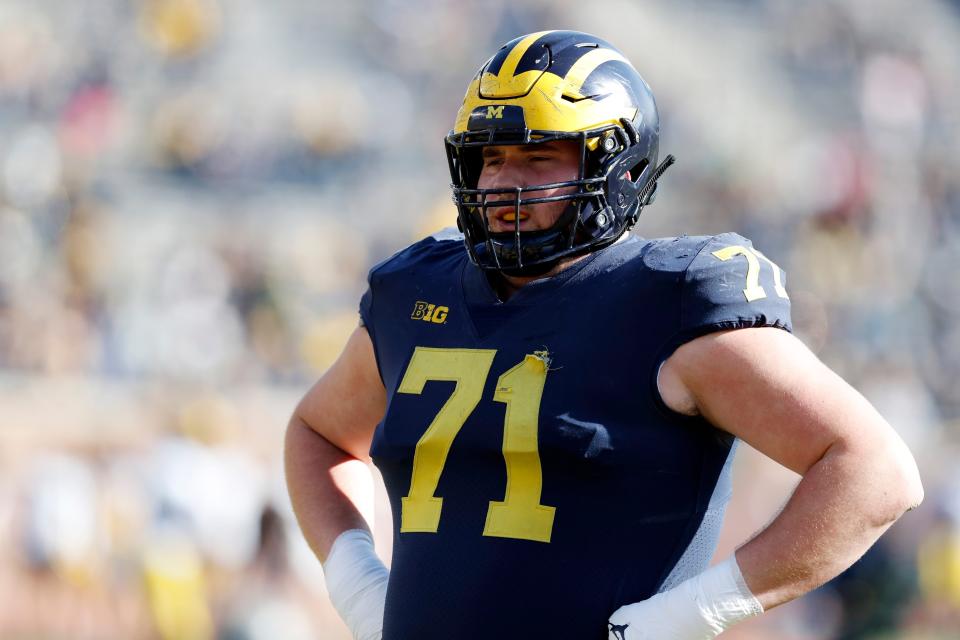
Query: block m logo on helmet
x: 429, y: 312
x: 498, y: 116
x: 495, y: 112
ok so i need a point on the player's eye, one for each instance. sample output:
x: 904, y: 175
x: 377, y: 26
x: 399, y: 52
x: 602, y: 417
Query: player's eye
x: 493, y: 161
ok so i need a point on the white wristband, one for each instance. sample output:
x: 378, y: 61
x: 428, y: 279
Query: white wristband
x: 700, y: 608
x: 357, y: 582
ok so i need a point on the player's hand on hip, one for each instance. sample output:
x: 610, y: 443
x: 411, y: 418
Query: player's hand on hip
x: 700, y: 608
x: 646, y: 620
x: 357, y: 582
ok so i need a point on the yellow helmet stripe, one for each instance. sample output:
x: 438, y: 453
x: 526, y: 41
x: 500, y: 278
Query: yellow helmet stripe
x: 583, y: 67
x: 513, y: 59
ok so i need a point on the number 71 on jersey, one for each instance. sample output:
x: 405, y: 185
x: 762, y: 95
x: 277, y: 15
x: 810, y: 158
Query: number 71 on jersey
x: 520, y: 514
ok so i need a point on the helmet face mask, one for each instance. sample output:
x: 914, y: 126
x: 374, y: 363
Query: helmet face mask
x: 615, y: 125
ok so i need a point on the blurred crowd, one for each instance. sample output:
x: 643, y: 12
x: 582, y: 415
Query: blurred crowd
x: 191, y: 192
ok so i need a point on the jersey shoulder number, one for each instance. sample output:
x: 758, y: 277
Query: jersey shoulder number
x: 730, y: 284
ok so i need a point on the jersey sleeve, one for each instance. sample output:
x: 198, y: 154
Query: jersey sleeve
x: 367, y: 319
x: 366, y: 306
x: 400, y: 274
x: 401, y: 261
x: 731, y: 285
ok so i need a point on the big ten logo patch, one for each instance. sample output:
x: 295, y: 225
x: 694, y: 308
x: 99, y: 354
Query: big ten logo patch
x: 429, y: 312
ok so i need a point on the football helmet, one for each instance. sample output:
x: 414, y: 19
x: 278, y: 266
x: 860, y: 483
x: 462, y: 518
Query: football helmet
x: 546, y: 86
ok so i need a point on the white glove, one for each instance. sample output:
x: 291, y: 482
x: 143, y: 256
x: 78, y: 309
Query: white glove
x: 700, y: 608
x: 357, y: 583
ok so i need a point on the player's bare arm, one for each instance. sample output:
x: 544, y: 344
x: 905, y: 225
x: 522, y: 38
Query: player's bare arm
x: 327, y: 447
x: 764, y: 386
x: 327, y: 453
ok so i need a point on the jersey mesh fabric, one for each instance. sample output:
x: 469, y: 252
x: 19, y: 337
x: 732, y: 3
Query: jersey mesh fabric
x: 696, y: 557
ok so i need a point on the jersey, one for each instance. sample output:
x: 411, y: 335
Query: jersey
x: 536, y: 478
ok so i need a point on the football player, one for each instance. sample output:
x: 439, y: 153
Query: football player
x: 554, y: 403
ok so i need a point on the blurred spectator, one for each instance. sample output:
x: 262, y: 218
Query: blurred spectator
x: 266, y: 605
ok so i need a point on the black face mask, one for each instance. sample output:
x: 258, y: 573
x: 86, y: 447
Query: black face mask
x: 613, y: 183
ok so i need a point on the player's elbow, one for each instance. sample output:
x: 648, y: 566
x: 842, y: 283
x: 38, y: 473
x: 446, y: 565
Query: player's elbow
x: 908, y: 477
x: 899, y: 485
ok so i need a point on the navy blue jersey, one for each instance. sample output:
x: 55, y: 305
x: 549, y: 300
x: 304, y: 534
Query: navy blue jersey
x: 537, y: 481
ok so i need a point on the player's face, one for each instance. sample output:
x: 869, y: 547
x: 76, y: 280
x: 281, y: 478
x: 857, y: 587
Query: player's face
x: 511, y: 166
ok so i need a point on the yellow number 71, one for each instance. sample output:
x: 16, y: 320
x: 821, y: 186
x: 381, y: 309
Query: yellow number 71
x: 754, y: 291
x: 519, y: 514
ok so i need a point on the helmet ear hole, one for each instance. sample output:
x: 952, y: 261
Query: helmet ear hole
x: 636, y: 171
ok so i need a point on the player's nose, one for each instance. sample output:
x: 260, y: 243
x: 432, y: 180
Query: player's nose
x: 496, y: 202
x: 510, y: 175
